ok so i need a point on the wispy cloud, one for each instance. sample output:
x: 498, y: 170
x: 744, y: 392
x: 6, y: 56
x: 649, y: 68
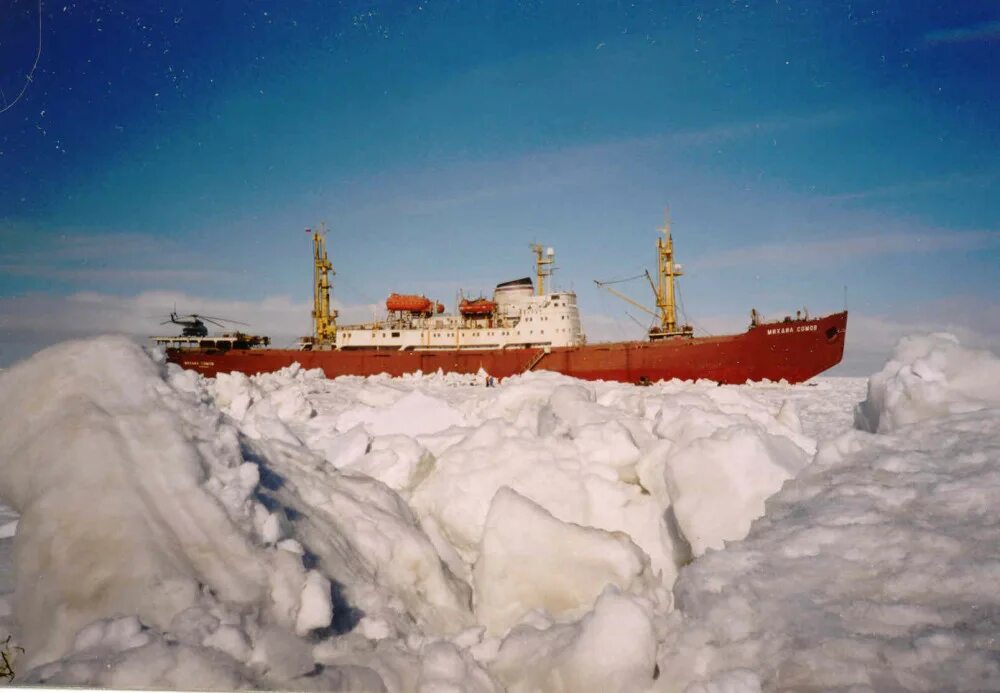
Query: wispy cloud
x: 764, y: 126
x: 725, y: 132
x: 89, y: 312
x: 75, y: 244
x: 85, y: 257
x: 34, y: 321
x: 915, y: 187
x: 984, y: 31
x: 804, y: 253
x: 105, y: 274
x: 475, y: 182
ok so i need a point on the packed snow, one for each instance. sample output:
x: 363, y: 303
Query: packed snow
x: 429, y: 533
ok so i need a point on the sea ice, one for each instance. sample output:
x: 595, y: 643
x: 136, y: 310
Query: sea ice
x: 874, y: 567
x: 427, y: 533
x: 613, y: 648
x: 529, y: 561
x: 929, y: 376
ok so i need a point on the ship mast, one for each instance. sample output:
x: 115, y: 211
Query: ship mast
x: 543, y: 260
x: 325, y: 320
x: 665, y: 291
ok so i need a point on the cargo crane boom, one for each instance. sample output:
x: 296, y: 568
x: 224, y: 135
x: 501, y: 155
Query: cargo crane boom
x: 619, y: 294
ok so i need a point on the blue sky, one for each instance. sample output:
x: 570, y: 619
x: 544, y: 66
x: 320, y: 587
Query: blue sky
x: 167, y: 152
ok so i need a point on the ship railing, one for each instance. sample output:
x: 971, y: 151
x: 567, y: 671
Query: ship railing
x: 228, y: 341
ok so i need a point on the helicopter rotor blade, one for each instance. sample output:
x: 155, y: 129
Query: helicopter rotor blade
x: 212, y: 317
x: 214, y: 322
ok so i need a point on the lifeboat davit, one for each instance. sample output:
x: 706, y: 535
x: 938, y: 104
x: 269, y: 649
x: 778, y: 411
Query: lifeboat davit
x: 412, y: 303
x: 479, y: 306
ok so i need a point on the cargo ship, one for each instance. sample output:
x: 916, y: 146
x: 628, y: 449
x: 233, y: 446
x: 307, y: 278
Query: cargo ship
x: 523, y: 327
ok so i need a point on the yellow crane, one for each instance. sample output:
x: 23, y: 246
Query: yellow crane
x: 324, y: 319
x: 664, y: 290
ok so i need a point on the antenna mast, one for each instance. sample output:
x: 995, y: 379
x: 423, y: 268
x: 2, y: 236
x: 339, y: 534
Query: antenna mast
x: 325, y: 320
x: 543, y: 261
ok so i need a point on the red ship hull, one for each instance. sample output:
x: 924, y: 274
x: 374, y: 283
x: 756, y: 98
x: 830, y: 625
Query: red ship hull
x: 793, y: 351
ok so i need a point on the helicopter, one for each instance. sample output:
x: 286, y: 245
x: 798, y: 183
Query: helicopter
x: 195, y: 327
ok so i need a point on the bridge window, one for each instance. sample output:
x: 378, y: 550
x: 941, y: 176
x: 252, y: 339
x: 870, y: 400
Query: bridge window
x: 395, y: 334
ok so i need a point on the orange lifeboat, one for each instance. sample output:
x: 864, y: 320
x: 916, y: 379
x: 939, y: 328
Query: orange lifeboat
x: 410, y: 303
x: 477, y: 307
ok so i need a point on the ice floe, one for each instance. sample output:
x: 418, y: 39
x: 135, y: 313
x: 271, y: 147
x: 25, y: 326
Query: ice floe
x: 427, y: 533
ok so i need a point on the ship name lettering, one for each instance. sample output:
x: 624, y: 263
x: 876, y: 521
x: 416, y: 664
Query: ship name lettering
x: 788, y: 330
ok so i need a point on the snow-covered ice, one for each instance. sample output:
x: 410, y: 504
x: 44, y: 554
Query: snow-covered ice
x: 928, y: 378
x: 427, y: 533
x: 876, y: 567
x: 529, y: 560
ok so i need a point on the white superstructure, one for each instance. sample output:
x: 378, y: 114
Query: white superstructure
x: 518, y: 318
